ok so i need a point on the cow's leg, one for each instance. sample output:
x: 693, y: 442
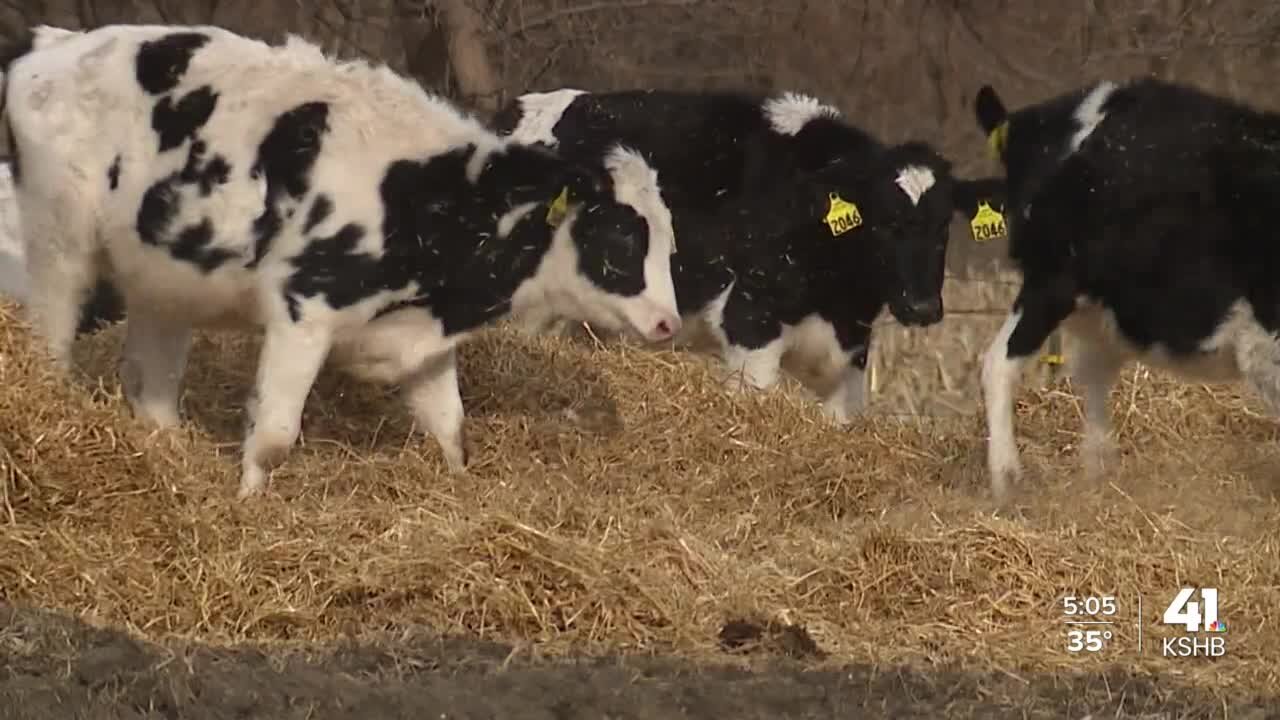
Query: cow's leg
x: 1036, y: 314
x: 752, y: 343
x: 58, y: 239
x: 1097, y: 365
x: 433, y: 397
x: 758, y: 368
x: 153, y: 363
x: 291, y: 358
x: 1258, y: 357
x: 848, y: 398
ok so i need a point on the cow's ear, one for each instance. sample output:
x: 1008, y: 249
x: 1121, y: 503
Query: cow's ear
x: 990, y: 109
x: 993, y: 118
x: 579, y: 185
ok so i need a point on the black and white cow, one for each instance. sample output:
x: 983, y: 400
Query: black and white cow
x: 1140, y: 216
x: 220, y: 181
x: 794, y: 228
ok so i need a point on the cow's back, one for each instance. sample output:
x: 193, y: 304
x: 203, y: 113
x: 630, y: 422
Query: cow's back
x: 1164, y: 149
x: 216, y: 150
x: 704, y: 145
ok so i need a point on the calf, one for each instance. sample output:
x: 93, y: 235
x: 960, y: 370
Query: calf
x: 220, y: 181
x: 795, y: 228
x: 1139, y: 217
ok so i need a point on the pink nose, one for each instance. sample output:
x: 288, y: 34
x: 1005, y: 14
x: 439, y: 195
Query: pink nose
x: 665, y: 329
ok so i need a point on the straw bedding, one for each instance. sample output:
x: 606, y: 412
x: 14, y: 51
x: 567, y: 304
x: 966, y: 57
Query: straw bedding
x: 619, y: 499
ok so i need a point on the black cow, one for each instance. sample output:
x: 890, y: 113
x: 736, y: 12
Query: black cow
x: 1140, y: 216
x: 794, y: 228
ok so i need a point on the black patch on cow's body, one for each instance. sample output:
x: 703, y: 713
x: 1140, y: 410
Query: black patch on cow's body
x: 177, y: 122
x: 1164, y: 215
x: 162, y: 201
x: 103, y: 307
x: 330, y: 266
x: 161, y: 63
x: 321, y: 209
x: 748, y: 204
x: 216, y: 172
x: 285, y: 157
x: 192, y: 245
x: 113, y: 173
x: 156, y: 211
x: 440, y: 233
x: 204, y: 173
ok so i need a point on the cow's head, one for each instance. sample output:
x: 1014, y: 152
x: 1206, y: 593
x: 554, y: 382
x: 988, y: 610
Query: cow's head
x: 907, y: 199
x: 610, y: 257
x: 1026, y: 143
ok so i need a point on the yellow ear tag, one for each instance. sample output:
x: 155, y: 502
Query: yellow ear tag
x: 842, y: 216
x: 559, y: 208
x: 997, y: 140
x: 987, y: 224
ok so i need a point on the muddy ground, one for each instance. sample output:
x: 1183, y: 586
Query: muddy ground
x: 55, y: 667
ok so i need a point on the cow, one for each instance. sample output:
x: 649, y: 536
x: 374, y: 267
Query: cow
x: 219, y: 181
x: 795, y: 227
x: 1139, y: 218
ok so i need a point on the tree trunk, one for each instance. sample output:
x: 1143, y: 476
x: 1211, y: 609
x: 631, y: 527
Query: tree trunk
x: 465, y: 32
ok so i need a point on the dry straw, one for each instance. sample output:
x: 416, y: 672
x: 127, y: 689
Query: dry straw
x: 619, y: 499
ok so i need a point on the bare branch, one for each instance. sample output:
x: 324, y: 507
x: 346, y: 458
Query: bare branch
x: 592, y: 7
x: 468, y: 54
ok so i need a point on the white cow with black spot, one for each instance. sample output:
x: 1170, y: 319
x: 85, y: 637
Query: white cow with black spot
x: 216, y: 180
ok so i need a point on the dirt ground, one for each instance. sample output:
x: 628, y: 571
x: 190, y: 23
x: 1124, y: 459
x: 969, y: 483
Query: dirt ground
x: 55, y: 667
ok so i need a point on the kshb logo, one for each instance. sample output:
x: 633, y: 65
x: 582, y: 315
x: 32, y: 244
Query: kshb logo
x: 1195, y: 616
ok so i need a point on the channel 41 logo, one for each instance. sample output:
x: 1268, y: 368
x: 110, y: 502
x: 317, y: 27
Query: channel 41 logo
x: 1195, y: 617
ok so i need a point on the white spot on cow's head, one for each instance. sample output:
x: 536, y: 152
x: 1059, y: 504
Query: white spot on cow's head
x: 1089, y: 113
x: 915, y: 181
x: 539, y: 114
x: 789, y: 113
x: 635, y: 184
